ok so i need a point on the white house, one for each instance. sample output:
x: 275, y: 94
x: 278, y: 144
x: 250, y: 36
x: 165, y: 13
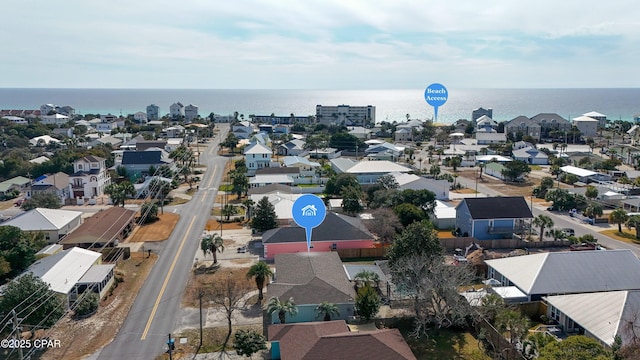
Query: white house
x: 242, y: 130
x: 531, y: 155
x: 414, y: 182
x: 602, y: 118
x: 282, y: 204
x: 190, y: 112
x: 588, y: 126
x: 52, y: 223
x: 368, y: 172
x: 307, y: 167
x: 43, y: 140
x: 269, y: 179
x: 90, y: 177
x: 16, y: 120
x: 140, y: 117
x: 256, y: 157
x: 176, y: 110
x: 293, y: 147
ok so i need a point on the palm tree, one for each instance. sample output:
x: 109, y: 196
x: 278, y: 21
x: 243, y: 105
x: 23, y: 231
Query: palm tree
x: 228, y: 211
x: 282, y: 308
x: 618, y: 216
x: 326, y: 309
x: 248, y: 204
x: 556, y: 234
x: 543, y: 221
x: 634, y: 222
x: 261, y: 273
x: 212, y: 244
x: 366, y: 277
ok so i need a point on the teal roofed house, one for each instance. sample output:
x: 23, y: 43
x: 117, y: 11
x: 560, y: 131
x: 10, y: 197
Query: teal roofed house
x: 17, y: 183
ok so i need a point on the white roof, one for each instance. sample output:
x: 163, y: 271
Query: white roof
x: 46, y: 138
x: 498, y: 158
x: 271, y: 179
x: 584, y: 118
x: 293, y: 160
x: 282, y: 203
x: 39, y: 160
x: 577, y: 171
x: 607, y: 315
x: 373, y: 142
x: 509, y: 292
x: 444, y: 211
x: 257, y: 148
x: 41, y: 219
x: 63, y: 270
x: 382, y: 166
x: 571, y: 272
x: 404, y: 178
x: 594, y: 113
x: 456, y: 134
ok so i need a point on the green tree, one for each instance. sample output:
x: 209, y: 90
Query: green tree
x: 282, y: 308
x: 514, y: 323
x: 248, y: 342
x: 335, y: 185
x: 366, y: 277
x: 351, y: 200
x: 230, y: 142
x: 408, y: 213
x: 33, y: 300
x: 264, y: 216
x: 454, y: 162
x: 345, y: 141
x: 591, y: 192
x: 261, y: 273
x: 388, y: 182
x: 326, y: 309
x: 618, y: 216
x: 42, y: 200
x: 419, y: 238
x: 17, y: 249
x: 367, y: 302
x: 542, y: 221
x: 149, y: 212
x: 212, y: 244
x: 118, y: 192
x: 239, y: 182
x: 593, y: 211
x: 633, y: 221
x: 513, y: 170
x: 88, y: 304
x: 578, y: 347
x: 434, y: 170
x: 228, y: 211
x: 248, y: 205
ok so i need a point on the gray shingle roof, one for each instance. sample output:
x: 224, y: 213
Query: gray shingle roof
x: 334, y: 228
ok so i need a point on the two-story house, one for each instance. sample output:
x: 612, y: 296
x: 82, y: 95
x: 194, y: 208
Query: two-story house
x: 492, y: 217
x: 57, y: 184
x: 257, y: 156
x: 89, y: 177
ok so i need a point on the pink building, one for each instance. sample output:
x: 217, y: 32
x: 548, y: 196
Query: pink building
x: 336, y: 232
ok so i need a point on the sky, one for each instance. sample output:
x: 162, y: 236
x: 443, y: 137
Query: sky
x: 319, y: 44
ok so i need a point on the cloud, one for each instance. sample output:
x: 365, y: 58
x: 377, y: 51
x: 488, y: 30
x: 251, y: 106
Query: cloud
x: 317, y: 43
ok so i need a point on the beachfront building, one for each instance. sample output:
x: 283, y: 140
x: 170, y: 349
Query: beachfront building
x: 480, y: 112
x: 602, y: 118
x: 191, y: 112
x: 153, y: 112
x: 345, y: 114
x: 538, y: 127
x: 588, y: 126
x: 176, y: 110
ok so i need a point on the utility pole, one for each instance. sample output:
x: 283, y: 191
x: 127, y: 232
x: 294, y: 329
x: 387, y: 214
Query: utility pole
x: 200, y: 295
x: 17, y: 330
x: 171, y: 344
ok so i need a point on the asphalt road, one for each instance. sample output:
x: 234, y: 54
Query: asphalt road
x: 562, y: 220
x: 154, y: 313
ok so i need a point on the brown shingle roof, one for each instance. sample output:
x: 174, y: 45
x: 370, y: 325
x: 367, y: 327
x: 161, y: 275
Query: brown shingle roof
x: 332, y: 340
x: 101, y: 228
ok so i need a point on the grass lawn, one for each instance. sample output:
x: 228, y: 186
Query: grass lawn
x: 627, y: 235
x: 535, y: 167
x: 446, y: 344
x: 226, y: 187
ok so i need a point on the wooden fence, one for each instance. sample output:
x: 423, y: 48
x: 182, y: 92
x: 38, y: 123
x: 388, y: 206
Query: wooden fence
x: 462, y: 242
x: 371, y: 253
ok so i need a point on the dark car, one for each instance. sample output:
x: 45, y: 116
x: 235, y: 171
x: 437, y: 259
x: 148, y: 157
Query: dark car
x: 243, y: 249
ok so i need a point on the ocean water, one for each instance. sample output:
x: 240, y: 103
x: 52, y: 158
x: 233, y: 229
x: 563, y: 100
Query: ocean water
x: 391, y: 105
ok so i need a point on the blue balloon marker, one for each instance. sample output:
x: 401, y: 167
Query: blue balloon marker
x: 436, y: 95
x: 309, y: 212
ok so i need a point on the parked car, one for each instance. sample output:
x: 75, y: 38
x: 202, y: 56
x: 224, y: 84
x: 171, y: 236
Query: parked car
x: 243, y: 249
x: 569, y: 231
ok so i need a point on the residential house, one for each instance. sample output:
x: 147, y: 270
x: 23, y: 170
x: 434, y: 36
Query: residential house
x: 72, y: 272
x: 46, y: 109
x: 403, y: 134
x: 567, y: 272
x: 524, y: 126
x: 176, y: 110
x: 142, y: 145
x: 262, y: 138
x: 191, y: 112
x: 485, y: 124
x: 18, y: 183
x: 138, y: 163
x: 54, y: 224
x: 140, y: 117
x: 270, y: 189
x: 531, y: 155
x: 368, y: 172
x: 495, y: 169
x: 444, y: 215
x: 325, y: 153
x: 39, y: 160
x: 480, y: 112
x: 341, y: 165
x: 176, y: 131
x: 393, y: 151
x: 292, y: 148
x: 335, y: 232
x: 107, y: 127
x: 153, y: 112
x: 487, y: 138
x: 334, y: 340
x: 307, y: 168
x: 257, y: 156
x: 109, y: 140
x: 492, y: 217
x: 259, y: 180
x: 43, y: 140
x: 311, y: 278
x: 55, y: 119
x: 359, y: 132
x: 105, y: 228
x: 242, y: 130
x: 406, y: 181
x: 282, y: 204
x: 90, y: 177
x: 265, y: 128
x: 16, y: 120
x: 58, y: 184
x: 602, y: 118
x: 588, y: 126
x: 584, y: 175
x: 609, y: 315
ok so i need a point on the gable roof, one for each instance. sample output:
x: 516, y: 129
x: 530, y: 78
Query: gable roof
x: 294, y: 160
x: 63, y: 270
x: 381, y: 166
x: 271, y: 188
x: 335, y: 227
x: 42, y: 219
x: 333, y: 340
x: 102, y: 227
x: 342, y: 164
x: 609, y: 312
x: 506, y: 207
x: 142, y: 157
x: 310, y: 278
x: 257, y: 148
x: 571, y: 272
